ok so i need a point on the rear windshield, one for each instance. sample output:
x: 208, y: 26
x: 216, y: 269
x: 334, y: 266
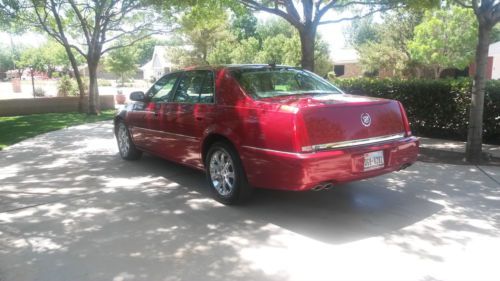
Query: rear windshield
x: 274, y: 82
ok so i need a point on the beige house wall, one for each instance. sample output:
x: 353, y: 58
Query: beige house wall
x: 351, y: 70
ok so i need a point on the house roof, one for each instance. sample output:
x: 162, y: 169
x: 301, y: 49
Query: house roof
x: 494, y: 49
x: 159, y: 59
x: 346, y: 55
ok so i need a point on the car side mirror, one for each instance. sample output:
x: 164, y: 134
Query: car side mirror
x: 137, y: 96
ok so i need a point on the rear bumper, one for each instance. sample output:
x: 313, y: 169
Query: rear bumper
x: 302, y: 171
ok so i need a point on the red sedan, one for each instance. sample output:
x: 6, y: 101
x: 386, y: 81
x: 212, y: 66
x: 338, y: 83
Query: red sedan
x: 265, y: 126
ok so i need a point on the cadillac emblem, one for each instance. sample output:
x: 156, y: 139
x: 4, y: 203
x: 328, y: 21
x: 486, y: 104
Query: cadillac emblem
x: 366, y: 119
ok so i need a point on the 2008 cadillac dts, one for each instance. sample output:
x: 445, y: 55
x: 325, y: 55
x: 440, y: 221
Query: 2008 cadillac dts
x: 265, y: 126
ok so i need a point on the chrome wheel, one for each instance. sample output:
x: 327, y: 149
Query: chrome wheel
x: 222, y: 172
x: 123, y: 140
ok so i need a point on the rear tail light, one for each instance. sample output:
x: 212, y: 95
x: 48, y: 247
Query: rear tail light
x: 405, y: 120
x: 302, y: 142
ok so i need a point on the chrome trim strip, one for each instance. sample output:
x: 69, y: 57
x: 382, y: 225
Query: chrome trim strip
x: 271, y: 150
x: 165, y: 132
x: 344, y: 144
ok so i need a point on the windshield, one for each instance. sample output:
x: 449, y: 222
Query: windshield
x: 275, y: 82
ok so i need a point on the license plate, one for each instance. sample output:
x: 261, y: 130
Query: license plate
x: 374, y: 160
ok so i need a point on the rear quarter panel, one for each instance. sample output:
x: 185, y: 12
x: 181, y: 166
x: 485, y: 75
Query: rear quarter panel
x: 251, y: 123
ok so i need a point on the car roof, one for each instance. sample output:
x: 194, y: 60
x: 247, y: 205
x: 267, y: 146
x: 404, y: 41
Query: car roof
x: 236, y: 66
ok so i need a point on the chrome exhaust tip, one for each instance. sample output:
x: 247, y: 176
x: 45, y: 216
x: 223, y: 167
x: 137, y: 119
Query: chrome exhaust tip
x: 322, y: 186
x: 318, y: 187
x: 327, y: 186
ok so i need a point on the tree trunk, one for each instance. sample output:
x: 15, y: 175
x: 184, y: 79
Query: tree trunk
x: 437, y: 72
x: 32, y: 82
x: 78, y: 77
x: 475, y: 131
x: 307, y: 41
x: 93, y: 89
x: 418, y: 72
x: 13, y: 50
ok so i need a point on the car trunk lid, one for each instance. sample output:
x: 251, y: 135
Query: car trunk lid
x: 349, y: 120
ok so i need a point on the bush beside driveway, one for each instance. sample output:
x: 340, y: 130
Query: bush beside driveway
x: 436, y: 108
x: 71, y: 209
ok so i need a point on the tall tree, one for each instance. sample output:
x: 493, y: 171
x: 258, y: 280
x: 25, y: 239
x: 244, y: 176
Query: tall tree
x: 89, y: 28
x: 488, y: 15
x: 203, y: 27
x: 122, y: 62
x: 6, y: 62
x: 445, y: 39
x: 8, y: 10
x: 55, y: 56
x: 34, y: 60
x: 244, y: 25
x: 275, y: 41
x: 307, y: 15
x: 362, y: 31
x: 11, y: 22
x: 384, y: 45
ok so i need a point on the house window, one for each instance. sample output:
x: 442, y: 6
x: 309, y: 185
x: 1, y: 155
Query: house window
x: 339, y: 70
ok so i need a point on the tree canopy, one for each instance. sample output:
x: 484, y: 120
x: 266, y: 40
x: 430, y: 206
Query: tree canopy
x: 90, y: 29
x: 122, y: 62
x: 306, y: 15
x: 274, y: 41
x: 410, y: 43
x: 6, y: 59
x: 446, y: 38
x: 384, y: 45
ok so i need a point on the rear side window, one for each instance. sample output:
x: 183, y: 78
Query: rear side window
x: 195, y: 87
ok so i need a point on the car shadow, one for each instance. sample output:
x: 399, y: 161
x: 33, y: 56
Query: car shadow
x: 345, y: 213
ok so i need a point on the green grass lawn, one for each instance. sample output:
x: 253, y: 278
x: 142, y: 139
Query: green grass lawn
x: 17, y: 128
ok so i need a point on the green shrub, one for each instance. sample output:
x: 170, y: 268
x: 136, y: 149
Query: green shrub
x: 104, y: 82
x: 435, y: 108
x: 39, y: 92
x: 67, y: 87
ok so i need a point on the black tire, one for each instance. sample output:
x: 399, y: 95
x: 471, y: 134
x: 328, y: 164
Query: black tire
x: 126, y: 146
x: 240, y: 190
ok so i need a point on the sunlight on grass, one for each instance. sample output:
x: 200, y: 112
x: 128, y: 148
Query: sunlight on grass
x: 14, y: 129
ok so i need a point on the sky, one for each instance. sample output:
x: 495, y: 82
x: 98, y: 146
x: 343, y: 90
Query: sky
x: 334, y: 35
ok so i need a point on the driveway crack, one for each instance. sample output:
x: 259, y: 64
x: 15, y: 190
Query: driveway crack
x: 488, y: 175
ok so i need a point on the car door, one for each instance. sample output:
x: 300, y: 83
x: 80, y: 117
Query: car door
x: 189, y: 114
x: 146, y: 118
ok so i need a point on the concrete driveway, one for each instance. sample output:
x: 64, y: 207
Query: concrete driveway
x: 71, y: 209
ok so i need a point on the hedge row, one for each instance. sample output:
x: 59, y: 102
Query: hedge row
x: 436, y: 108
